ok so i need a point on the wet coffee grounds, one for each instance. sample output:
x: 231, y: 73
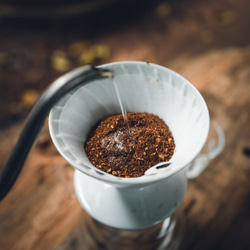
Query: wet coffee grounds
x: 123, y: 152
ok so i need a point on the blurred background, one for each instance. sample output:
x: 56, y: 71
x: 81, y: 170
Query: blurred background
x: 208, y: 42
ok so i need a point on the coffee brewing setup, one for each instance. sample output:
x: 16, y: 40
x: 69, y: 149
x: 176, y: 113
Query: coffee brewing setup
x: 79, y: 99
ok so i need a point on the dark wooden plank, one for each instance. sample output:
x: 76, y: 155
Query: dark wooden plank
x: 215, y: 208
x: 40, y: 213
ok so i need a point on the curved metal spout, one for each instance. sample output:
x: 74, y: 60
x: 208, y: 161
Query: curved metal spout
x: 57, y: 89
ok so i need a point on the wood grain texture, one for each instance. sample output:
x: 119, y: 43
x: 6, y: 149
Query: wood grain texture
x: 216, y: 204
x: 41, y: 211
x: 218, y: 215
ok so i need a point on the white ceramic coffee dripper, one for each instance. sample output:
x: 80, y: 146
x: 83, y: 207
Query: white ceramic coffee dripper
x: 132, y: 203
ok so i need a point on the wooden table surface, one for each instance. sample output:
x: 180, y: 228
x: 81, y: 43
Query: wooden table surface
x: 41, y: 211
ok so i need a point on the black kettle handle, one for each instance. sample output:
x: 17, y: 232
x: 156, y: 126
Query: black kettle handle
x: 40, y: 111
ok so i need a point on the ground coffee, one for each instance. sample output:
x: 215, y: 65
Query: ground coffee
x: 123, y: 152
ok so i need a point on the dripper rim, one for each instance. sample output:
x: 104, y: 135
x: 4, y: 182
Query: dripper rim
x: 145, y: 179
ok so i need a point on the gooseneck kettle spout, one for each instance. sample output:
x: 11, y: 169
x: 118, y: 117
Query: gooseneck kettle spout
x: 49, y: 98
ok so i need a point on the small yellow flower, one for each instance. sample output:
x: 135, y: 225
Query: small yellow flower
x: 77, y: 48
x: 101, y: 51
x: 227, y: 18
x: 29, y: 97
x: 95, y: 52
x: 163, y: 10
x: 87, y: 57
x: 60, y: 62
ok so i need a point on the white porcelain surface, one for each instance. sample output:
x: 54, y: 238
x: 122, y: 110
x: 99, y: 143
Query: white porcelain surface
x: 144, y: 88
x: 130, y: 208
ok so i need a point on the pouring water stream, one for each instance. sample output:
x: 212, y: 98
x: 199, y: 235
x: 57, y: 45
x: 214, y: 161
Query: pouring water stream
x: 152, y: 170
x: 38, y: 115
